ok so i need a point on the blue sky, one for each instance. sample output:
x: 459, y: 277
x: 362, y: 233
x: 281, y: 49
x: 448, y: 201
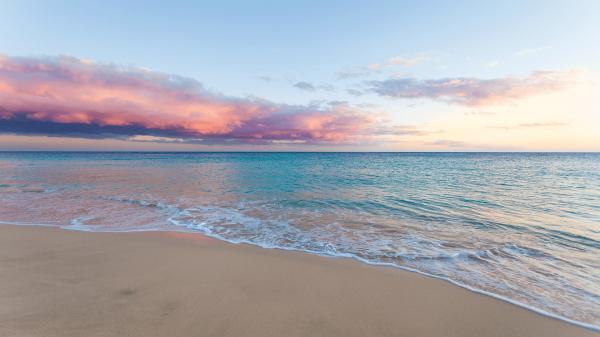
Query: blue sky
x: 264, y: 48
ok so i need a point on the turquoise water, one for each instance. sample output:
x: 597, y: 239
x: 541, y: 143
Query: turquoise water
x: 525, y: 227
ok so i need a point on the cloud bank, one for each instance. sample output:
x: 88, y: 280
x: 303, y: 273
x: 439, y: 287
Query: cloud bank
x: 474, y: 91
x: 66, y: 96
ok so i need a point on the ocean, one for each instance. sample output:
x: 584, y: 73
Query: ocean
x: 524, y: 227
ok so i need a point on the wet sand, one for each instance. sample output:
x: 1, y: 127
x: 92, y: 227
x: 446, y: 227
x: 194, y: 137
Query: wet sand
x: 56, y: 282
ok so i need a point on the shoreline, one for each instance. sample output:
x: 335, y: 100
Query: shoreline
x: 334, y: 256
x: 170, y: 241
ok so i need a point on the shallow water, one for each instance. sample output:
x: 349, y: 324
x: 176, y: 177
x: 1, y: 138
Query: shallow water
x: 525, y: 227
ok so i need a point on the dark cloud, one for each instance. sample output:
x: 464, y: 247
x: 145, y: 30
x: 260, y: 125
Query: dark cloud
x: 305, y: 86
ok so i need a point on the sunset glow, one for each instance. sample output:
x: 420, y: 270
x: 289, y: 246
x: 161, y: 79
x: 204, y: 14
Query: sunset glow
x: 421, y: 100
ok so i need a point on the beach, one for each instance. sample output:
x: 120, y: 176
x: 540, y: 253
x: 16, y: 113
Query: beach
x: 299, y: 168
x: 57, y: 282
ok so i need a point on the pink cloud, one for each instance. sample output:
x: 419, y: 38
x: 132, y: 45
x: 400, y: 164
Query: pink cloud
x: 68, y: 96
x: 474, y: 91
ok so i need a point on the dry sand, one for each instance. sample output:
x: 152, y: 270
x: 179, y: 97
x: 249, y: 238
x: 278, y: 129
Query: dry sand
x: 64, y: 283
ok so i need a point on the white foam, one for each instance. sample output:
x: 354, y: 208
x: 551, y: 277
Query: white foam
x: 217, y: 213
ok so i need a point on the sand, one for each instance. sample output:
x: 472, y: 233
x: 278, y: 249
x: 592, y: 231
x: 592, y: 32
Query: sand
x: 56, y: 282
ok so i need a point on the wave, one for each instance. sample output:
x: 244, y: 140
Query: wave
x: 78, y: 224
x: 375, y: 245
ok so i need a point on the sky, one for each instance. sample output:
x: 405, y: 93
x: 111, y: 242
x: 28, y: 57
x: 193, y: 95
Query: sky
x: 300, y: 75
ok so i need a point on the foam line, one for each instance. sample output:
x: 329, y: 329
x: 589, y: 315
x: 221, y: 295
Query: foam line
x: 208, y: 233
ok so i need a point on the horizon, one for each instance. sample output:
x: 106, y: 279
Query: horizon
x: 241, y: 77
x: 278, y: 151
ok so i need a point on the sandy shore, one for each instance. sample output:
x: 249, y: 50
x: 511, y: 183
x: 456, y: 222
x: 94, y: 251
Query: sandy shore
x: 64, y: 283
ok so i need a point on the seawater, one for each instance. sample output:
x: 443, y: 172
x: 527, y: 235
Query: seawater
x: 521, y: 226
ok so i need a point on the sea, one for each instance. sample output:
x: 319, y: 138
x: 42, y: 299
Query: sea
x: 523, y: 227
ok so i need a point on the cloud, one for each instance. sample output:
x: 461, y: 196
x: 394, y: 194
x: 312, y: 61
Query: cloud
x: 355, y: 73
x: 528, y: 125
x: 447, y: 143
x: 305, y: 86
x: 541, y: 125
x: 474, y: 91
x: 354, y: 92
x: 155, y: 139
x: 327, y: 87
x: 375, y: 68
x: 443, y: 144
x: 403, y: 130
x: 66, y: 96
